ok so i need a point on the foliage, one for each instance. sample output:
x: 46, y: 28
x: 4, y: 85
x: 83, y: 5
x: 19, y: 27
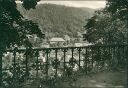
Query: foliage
x: 119, y: 8
x: 14, y: 28
x: 28, y: 4
x: 109, y: 26
x: 104, y: 28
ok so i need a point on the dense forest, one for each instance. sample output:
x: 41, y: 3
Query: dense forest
x: 57, y: 20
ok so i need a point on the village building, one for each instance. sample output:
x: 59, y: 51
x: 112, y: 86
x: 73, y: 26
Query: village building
x: 45, y: 45
x: 82, y: 44
x: 57, y: 42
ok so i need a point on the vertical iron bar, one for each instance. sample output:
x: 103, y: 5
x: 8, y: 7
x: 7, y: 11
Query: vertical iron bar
x: 127, y: 62
x: 91, y: 59
x: 79, y: 57
x: 37, y: 62
x: 72, y: 61
x: 104, y: 57
x: 110, y: 48
x: 119, y: 57
x: 113, y: 58
x: 92, y: 49
x: 14, y: 67
x: 100, y: 57
x: 47, y: 53
x: 112, y: 51
x: 116, y: 52
x: 26, y: 63
x: 124, y: 56
x: 2, y: 48
x: 1, y: 53
x: 56, y: 63
x: 72, y: 52
x: 86, y: 60
x: 64, y: 59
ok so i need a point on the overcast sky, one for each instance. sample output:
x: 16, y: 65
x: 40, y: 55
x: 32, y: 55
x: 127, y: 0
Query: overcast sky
x: 94, y: 4
x: 89, y: 4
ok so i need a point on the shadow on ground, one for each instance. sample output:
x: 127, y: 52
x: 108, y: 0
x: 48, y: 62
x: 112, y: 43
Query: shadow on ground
x: 106, y: 79
x: 111, y: 79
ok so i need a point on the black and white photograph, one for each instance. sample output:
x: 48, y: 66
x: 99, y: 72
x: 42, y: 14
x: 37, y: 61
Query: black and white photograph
x: 63, y: 43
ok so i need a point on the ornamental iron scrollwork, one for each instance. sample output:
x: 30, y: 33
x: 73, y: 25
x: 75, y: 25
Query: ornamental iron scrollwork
x: 63, y: 61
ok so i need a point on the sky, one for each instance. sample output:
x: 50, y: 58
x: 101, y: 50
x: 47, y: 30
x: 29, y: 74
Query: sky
x: 90, y: 4
x: 94, y: 4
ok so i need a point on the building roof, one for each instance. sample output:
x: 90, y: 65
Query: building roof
x: 83, y: 44
x: 57, y: 40
x: 78, y: 44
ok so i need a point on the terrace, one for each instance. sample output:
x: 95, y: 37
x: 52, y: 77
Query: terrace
x: 21, y: 67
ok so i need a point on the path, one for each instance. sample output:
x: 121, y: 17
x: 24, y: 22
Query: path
x: 101, y: 80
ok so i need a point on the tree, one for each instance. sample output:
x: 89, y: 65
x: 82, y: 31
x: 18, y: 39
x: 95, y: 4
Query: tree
x: 109, y: 25
x: 14, y: 28
x: 103, y: 29
x: 119, y: 8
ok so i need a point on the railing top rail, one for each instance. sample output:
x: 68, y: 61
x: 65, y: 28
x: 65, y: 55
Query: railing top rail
x: 54, y: 48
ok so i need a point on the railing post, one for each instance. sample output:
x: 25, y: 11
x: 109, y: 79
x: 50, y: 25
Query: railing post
x: 100, y: 57
x: 127, y: 64
x: 26, y: 65
x: 65, y: 50
x: 26, y: 61
x: 64, y: 58
x: 72, y: 52
x: 47, y: 63
x: 56, y: 63
x: 71, y: 61
x: 86, y: 60
x: 14, y: 68
x: 79, y: 50
x: 37, y: 61
x: 92, y: 49
x: 1, y: 54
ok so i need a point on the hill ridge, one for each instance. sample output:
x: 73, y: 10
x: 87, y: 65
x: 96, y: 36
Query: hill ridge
x: 58, y: 20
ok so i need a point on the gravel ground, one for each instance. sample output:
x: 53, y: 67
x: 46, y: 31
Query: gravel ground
x: 106, y: 79
x: 111, y: 79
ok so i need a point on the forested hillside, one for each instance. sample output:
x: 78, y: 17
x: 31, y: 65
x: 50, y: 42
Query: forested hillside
x: 58, y: 20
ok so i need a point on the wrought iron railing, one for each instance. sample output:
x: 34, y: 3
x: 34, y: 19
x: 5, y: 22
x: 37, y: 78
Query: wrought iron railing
x: 22, y: 65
